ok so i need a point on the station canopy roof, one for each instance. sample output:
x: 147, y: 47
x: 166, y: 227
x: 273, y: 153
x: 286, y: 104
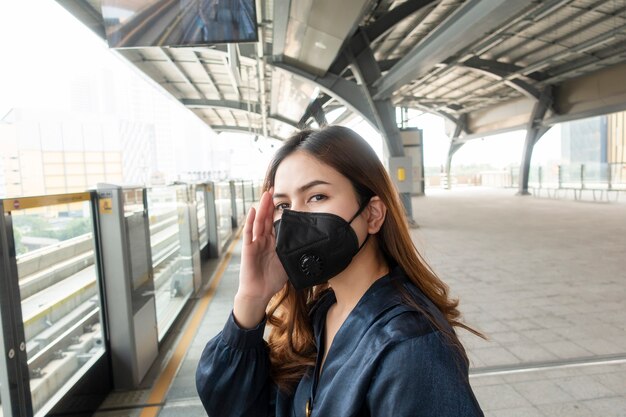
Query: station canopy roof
x: 481, y: 64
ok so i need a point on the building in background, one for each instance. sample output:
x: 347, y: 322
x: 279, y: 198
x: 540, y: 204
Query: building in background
x: 584, y: 141
x: 616, y: 137
x: 110, y: 125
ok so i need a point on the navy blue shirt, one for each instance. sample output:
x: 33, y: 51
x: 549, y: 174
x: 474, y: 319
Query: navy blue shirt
x: 386, y: 360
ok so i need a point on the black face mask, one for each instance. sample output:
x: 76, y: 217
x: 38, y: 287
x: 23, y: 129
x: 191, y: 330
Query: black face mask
x: 314, y: 247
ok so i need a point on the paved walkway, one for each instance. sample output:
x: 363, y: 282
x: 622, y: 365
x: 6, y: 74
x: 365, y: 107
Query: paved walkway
x: 544, y: 279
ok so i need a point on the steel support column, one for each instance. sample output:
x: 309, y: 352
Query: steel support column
x: 534, y: 130
x: 366, y: 70
x: 455, y: 145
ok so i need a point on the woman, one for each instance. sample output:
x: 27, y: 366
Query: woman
x: 359, y: 324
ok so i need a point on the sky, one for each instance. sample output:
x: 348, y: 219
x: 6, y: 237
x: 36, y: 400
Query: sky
x: 42, y: 55
x: 31, y: 75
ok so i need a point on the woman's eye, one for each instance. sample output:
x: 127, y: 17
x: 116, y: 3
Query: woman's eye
x: 282, y: 206
x: 318, y: 197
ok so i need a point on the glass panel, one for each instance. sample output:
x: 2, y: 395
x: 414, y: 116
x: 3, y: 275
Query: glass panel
x: 248, y: 194
x: 171, y: 252
x: 239, y: 199
x: 59, y: 296
x: 533, y: 177
x: 201, y: 216
x: 135, y: 225
x: 595, y: 175
x: 258, y: 190
x: 571, y: 176
x: 223, y: 208
x: 550, y: 174
x: 618, y: 176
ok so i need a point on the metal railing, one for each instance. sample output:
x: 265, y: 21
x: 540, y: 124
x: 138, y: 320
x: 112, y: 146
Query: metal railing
x: 58, y: 293
x: 57, y: 275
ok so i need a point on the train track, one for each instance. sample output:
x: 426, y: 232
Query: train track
x: 61, y: 306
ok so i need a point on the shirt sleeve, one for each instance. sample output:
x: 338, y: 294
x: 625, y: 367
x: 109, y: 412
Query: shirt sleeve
x: 422, y: 377
x: 233, y: 375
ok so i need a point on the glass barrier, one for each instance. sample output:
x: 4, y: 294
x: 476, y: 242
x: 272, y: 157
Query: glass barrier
x: 59, y: 290
x: 617, y: 176
x: 258, y: 190
x: 248, y: 194
x: 239, y: 201
x: 534, y: 177
x: 595, y: 175
x: 203, y: 235
x: 550, y: 176
x: 571, y: 176
x: 589, y: 175
x: 171, y: 252
x: 135, y: 225
x: 223, y: 208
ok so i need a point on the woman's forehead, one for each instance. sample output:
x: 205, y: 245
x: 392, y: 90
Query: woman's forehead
x: 300, y: 168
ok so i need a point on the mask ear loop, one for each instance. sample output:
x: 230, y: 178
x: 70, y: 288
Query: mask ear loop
x: 363, y: 206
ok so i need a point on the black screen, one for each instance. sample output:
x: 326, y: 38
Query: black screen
x: 140, y: 23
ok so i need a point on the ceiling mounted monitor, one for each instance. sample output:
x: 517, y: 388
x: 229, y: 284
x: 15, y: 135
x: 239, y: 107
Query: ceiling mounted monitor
x: 141, y: 23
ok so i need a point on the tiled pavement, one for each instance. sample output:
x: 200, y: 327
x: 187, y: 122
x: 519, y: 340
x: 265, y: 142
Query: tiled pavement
x: 544, y: 279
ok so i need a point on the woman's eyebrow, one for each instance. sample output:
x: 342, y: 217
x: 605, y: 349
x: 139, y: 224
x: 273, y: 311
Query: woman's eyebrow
x: 303, y: 188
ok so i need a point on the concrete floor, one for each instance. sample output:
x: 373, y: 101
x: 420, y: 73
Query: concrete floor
x: 544, y: 279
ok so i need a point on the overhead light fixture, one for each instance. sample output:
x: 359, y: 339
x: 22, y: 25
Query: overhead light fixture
x: 320, y: 45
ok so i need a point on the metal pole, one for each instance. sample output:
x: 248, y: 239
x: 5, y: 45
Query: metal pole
x: 15, y: 381
x: 582, y: 176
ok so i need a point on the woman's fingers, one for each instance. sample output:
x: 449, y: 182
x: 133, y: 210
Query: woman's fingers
x: 259, y: 222
x: 247, y: 228
x: 265, y: 215
x: 269, y: 218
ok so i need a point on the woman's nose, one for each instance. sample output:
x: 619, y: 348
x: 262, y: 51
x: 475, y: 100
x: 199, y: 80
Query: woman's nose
x: 298, y: 207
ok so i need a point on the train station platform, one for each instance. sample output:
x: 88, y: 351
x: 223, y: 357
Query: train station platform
x: 543, y: 279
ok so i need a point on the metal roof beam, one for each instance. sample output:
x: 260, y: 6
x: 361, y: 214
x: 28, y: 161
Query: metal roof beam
x: 394, y: 16
x: 279, y: 29
x: 240, y: 129
x: 315, y: 109
x: 282, y: 119
x: 470, y: 23
x: 208, y: 74
x: 501, y: 72
x: 222, y: 104
x: 425, y: 108
x: 358, y: 43
x: 346, y: 92
x: 230, y: 105
x: 182, y: 72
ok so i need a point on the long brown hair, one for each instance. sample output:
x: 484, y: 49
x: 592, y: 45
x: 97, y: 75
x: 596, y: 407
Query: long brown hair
x: 291, y: 339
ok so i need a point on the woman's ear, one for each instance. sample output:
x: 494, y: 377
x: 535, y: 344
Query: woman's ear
x: 376, y: 212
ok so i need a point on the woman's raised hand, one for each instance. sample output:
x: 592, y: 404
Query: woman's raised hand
x: 261, y: 275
